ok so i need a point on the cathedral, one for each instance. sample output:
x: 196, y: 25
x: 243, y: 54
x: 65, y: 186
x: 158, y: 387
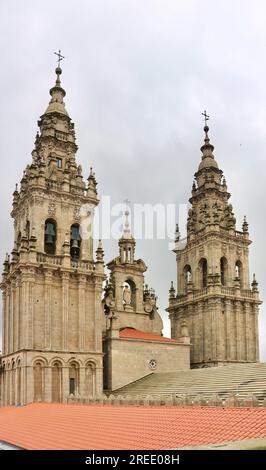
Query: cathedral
x: 64, y: 334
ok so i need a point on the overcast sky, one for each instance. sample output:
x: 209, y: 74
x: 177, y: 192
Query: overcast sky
x: 138, y: 74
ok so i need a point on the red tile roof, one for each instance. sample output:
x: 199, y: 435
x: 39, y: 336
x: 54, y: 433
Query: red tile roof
x: 104, y: 427
x: 132, y: 333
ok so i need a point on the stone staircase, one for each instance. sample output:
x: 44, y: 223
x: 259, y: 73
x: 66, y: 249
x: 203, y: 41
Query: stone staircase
x: 240, y: 379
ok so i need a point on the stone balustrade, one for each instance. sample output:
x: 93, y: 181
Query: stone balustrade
x: 49, y: 259
x: 230, y: 401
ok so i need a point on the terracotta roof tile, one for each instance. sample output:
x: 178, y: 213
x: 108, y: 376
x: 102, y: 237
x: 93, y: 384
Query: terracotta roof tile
x: 132, y: 333
x: 94, y: 427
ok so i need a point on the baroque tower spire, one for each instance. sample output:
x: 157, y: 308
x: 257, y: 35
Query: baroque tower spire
x: 52, y: 285
x: 214, y: 293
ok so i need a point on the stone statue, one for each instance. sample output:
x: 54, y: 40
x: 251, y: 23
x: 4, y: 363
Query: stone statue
x: 127, y: 295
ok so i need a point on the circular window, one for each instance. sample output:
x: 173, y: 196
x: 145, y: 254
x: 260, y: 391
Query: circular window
x: 153, y: 364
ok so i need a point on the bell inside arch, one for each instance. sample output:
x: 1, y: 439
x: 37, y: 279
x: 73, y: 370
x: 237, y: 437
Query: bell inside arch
x: 49, y: 233
x: 50, y: 237
x: 75, y: 242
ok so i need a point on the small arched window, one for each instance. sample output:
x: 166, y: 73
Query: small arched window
x: 75, y: 242
x: 224, y: 271
x: 203, y: 265
x: 50, y: 237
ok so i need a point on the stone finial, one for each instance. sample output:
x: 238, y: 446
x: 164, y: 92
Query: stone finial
x: 172, y: 291
x: 245, y: 225
x: 99, y: 252
x: 6, y: 264
x: 177, y: 233
x: 14, y: 253
x: 99, y: 265
x: 224, y: 183
x: 255, y: 284
x: 127, y: 235
x: 207, y: 148
x: 92, y: 184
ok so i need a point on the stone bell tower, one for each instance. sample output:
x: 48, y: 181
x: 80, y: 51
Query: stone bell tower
x: 52, y: 335
x: 214, y: 295
x: 126, y: 297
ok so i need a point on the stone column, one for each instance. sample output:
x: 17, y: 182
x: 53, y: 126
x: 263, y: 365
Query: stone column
x: 246, y: 276
x: 214, y: 329
x: 4, y: 323
x: 65, y: 383
x: 47, y: 309
x: 65, y: 308
x: 11, y: 322
x: 2, y: 389
x: 98, y: 315
x: 238, y: 332
x: 22, y: 314
x: 30, y: 320
x: 15, y: 381
x: 18, y: 314
x: 25, y: 288
x: 200, y: 344
x: 119, y: 295
x: 247, y: 331
x: 15, y: 317
x: 139, y: 300
x: 30, y: 384
x: 23, y: 383
x: 48, y: 384
x: 4, y: 394
x: 81, y: 312
x: 256, y: 333
x: 228, y: 313
x: 98, y: 387
x: 82, y: 376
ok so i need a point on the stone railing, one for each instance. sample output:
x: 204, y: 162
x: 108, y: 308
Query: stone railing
x: 84, y: 265
x: 53, y: 185
x: 240, y: 234
x: 231, y: 400
x: 248, y: 293
x: 228, y: 290
x: 245, y: 293
x: 77, y: 190
x: 49, y: 259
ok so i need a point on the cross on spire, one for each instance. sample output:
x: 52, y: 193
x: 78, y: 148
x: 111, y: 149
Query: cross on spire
x: 60, y: 57
x: 206, y: 117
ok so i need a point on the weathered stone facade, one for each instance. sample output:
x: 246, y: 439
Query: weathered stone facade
x: 52, y: 287
x: 214, y: 295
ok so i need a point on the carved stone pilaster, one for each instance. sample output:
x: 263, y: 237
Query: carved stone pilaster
x: 65, y: 308
x: 48, y: 276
